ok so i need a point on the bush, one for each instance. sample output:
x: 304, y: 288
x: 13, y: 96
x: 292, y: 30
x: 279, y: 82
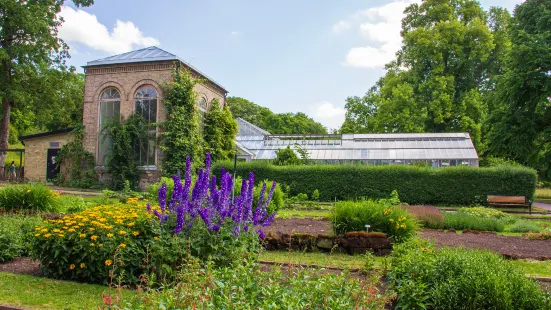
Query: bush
x: 462, y: 221
x: 425, y: 278
x: 392, y: 220
x: 522, y: 226
x: 416, y: 185
x: 130, y: 241
x: 15, y: 235
x: 485, y: 212
x: 546, y: 235
x: 248, y: 286
x: 32, y: 197
x: 427, y: 216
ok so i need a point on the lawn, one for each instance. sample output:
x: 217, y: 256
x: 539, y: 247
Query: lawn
x: 339, y: 260
x: 543, y: 193
x: 41, y: 293
x: 315, y: 214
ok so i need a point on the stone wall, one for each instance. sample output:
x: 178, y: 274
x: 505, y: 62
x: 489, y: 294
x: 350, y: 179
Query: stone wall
x: 36, y: 151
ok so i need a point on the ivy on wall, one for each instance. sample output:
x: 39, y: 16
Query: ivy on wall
x: 219, y: 132
x: 77, y: 165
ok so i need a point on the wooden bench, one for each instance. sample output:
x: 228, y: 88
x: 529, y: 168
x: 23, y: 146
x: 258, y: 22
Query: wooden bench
x: 510, y: 201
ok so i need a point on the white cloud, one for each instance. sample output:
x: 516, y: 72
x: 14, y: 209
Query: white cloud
x: 326, y: 113
x: 341, y: 26
x: 84, y: 28
x: 380, y: 26
x: 235, y: 33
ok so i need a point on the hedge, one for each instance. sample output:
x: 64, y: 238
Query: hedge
x: 415, y: 185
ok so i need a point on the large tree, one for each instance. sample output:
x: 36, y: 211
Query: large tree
x: 275, y: 123
x: 28, y: 46
x: 451, y: 51
x: 520, y: 127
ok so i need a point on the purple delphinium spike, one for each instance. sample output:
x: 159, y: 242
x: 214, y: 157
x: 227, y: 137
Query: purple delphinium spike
x: 207, y: 163
x: 180, y: 217
x: 148, y: 208
x: 162, y: 197
x: 261, y: 196
x: 176, y: 194
x: 268, y: 220
x: 260, y: 233
x: 216, y: 228
x: 237, y: 230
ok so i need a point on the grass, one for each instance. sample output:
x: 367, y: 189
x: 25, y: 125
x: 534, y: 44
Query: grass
x: 317, y: 258
x: 514, y: 210
x: 41, y: 293
x: 543, y: 193
x: 534, y: 267
x: 315, y: 214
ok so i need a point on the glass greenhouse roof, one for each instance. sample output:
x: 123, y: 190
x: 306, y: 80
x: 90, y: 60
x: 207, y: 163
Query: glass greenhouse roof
x: 354, y: 147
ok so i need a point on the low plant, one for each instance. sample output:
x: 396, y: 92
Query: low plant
x: 427, y: 216
x: 463, y: 220
x: 15, y: 235
x: 429, y: 278
x: 546, y: 235
x: 543, y: 193
x: 484, y: 212
x: 249, y: 286
x: 522, y: 226
x: 392, y: 220
x: 32, y: 197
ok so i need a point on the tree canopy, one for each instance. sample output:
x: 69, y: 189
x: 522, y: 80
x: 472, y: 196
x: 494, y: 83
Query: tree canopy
x: 275, y: 123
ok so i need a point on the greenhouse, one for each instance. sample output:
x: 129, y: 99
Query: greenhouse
x: 432, y: 149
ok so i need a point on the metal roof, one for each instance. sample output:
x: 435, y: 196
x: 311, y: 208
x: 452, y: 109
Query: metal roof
x: 248, y: 129
x: 399, y: 147
x: 148, y: 54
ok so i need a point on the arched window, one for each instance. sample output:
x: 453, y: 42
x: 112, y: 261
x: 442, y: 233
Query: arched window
x: 146, y: 106
x: 109, y: 108
x: 202, y: 107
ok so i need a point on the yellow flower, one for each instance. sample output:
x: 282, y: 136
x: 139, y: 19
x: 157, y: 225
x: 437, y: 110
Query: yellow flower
x: 82, y: 265
x: 91, y: 229
x: 403, y: 226
x: 92, y: 244
x: 37, y: 235
x: 122, y: 245
x: 72, y: 266
x: 37, y: 229
x: 155, y: 238
x: 391, y: 220
x: 100, y: 245
x: 47, y: 235
x: 109, y: 235
x: 28, y: 191
x: 56, y: 230
x: 61, y: 235
x: 135, y: 234
x: 122, y: 232
x: 93, y: 238
x: 108, y: 262
x: 71, y: 230
x: 131, y: 224
x: 82, y: 235
x: 44, y: 230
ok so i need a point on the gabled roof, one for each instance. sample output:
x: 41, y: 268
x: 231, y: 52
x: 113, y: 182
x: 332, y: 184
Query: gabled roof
x: 148, y: 54
x: 45, y: 134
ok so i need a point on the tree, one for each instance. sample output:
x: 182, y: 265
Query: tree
x: 285, y: 157
x: 181, y: 134
x: 520, y: 127
x: 283, y: 123
x: 28, y: 43
x: 450, y: 53
x: 219, y: 132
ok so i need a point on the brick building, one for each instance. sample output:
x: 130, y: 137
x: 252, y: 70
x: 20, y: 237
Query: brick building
x: 132, y: 82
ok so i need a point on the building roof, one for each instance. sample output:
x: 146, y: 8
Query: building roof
x: 45, y: 134
x: 148, y: 54
x: 397, y: 147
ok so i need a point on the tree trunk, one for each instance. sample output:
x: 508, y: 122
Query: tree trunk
x: 4, y: 130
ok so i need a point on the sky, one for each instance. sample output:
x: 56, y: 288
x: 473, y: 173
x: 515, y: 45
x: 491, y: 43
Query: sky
x: 290, y: 56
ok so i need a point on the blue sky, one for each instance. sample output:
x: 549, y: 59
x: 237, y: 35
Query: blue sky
x: 289, y: 56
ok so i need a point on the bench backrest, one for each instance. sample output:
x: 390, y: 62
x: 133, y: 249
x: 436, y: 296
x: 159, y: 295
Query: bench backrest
x: 507, y: 199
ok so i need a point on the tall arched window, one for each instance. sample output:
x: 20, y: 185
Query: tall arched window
x: 202, y: 107
x: 109, y: 108
x: 146, y: 105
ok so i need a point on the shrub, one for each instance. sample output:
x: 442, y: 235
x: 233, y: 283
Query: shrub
x: 129, y: 241
x: 248, y: 286
x: 546, y: 235
x: 426, y: 278
x: 32, y: 197
x: 392, y: 220
x: 15, y: 232
x: 461, y: 221
x: 522, y: 226
x: 427, y: 216
x: 416, y: 185
x: 485, y: 212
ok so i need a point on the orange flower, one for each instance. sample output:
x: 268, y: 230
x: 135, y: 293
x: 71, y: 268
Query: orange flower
x: 72, y: 266
x: 108, y: 262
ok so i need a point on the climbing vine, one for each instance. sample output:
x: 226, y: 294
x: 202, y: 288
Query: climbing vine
x: 219, y: 133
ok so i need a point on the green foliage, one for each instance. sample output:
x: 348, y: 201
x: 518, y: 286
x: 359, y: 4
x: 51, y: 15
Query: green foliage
x: 181, y: 134
x: 15, y: 235
x: 490, y: 161
x: 78, y: 163
x: 450, y: 52
x: 285, y: 157
x: 426, y: 278
x: 462, y: 221
x: 416, y: 185
x: 278, y: 198
x: 248, y: 286
x: 392, y: 220
x: 427, y: 216
x: 519, y: 126
x: 284, y: 123
x: 124, y: 138
x: 32, y: 197
x: 219, y: 132
x: 523, y: 226
x: 485, y: 212
x: 316, y: 195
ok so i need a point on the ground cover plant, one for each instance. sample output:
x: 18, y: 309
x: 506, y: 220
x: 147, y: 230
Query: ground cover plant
x: 134, y: 240
x: 246, y: 286
x: 30, y: 197
x: 382, y: 216
x: 429, y: 278
x: 461, y: 221
x: 543, y: 193
x: 427, y: 216
x: 15, y: 235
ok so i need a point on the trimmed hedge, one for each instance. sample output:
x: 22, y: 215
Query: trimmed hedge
x: 416, y: 185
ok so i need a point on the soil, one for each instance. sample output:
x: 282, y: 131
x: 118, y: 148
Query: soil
x: 303, y: 226
x: 21, y: 265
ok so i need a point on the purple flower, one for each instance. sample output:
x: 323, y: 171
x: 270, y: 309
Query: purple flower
x: 180, y: 217
x: 261, y: 234
x: 216, y: 228
x: 162, y: 197
x: 148, y: 208
x: 237, y: 230
x: 268, y: 221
